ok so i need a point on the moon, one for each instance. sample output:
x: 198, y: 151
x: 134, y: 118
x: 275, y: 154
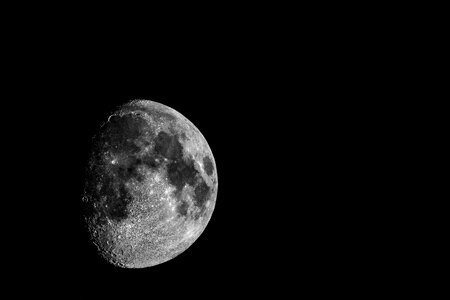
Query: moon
x: 151, y: 185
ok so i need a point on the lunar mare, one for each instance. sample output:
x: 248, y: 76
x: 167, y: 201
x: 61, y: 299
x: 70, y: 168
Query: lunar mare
x: 151, y: 185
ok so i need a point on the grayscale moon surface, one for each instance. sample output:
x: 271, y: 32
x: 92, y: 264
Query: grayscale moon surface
x: 151, y: 185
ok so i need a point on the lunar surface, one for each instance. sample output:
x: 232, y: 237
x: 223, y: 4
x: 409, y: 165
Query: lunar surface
x: 151, y: 185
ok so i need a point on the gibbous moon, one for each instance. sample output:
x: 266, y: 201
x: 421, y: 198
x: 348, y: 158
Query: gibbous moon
x: 151, y: 185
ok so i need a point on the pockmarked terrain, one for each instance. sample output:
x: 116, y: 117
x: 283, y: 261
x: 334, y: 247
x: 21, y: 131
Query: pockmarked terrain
x: 151, y: 185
